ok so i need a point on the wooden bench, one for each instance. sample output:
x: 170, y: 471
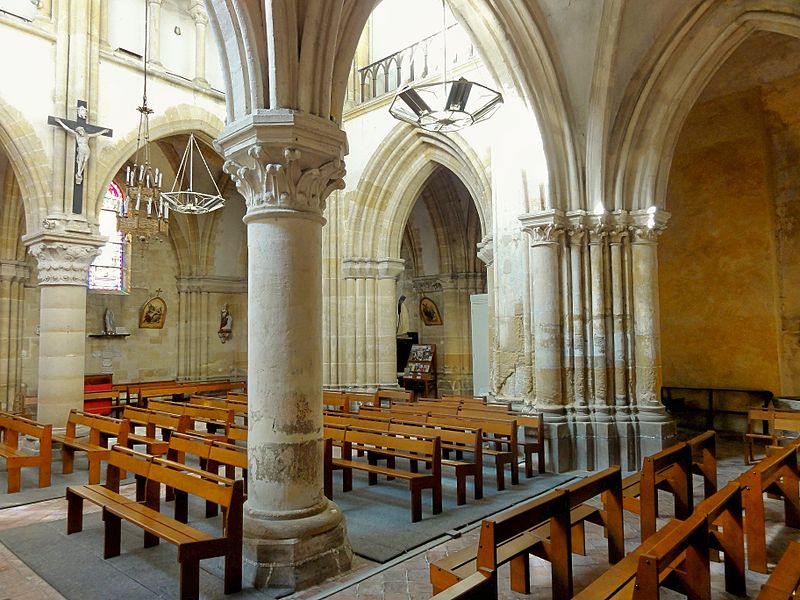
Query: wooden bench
x: 759, y: 430
x: 776, y: 474
x: 704, y: 460
x: 336, y: 401
x: 784, y: 581
x: 101, y: 429
x: 153, y: 421
x: 193, y: 544
x: 12, y: 427
x: 215, y: 420
x: 530, y: 530
x: 211, y: 455
x: 670, y: 470
x: 453, y: 440
x: 392, y: 396
x: 239, y: 408
x: 383, y: 445
x: 678, y: 555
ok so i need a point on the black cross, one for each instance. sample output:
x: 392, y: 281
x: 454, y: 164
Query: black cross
x: 77, y: 190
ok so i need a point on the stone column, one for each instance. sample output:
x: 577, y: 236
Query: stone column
x: 63, y: 266
x: 545, y: 230
x: 656, y: 430
x: 104, y: 24
x: 486, y: 255
x: 606, y: 442
x: 389, y: 269
x: 13, y: 276
x: 155, y: 32
x: 286, y: 164
x: 198, y: 12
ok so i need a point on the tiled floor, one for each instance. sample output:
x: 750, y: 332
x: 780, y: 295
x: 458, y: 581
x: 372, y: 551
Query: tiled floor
x: 407, y: 577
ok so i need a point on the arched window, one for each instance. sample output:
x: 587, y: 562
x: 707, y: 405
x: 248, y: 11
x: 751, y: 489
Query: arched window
x: 108, y: 272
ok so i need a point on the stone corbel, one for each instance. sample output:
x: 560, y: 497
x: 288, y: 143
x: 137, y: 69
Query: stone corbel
x: 545, y: 227
x: 486, y: 250
x: 430, y: 283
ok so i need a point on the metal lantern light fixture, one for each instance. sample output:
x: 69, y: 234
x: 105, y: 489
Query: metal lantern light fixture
x: 447, y: 105
x: 189, y: 200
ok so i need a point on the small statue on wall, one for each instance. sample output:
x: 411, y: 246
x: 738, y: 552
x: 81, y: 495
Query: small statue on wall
x: 225, y: 324
x: 109, y: 328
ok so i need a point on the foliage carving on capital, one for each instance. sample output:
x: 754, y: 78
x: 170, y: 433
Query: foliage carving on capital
x: 62, y: 263
x: 486, y: 250
x: 545, y: 233
x: 285, y: 185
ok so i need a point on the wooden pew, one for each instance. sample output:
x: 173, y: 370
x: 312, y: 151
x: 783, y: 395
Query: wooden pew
x: 669, y: 470
x: 193, y: 544
x: 704, y: 460
x: 784, y: 582
x: 529, y: 539
x: 335, y: 400
x: 100, y: 430
x: 759, y: 429
x: 677, y: 556
x: 508, y: 537
x: 377, y: 444
x: 216, y: 420
x: 392, y: 396
x: 239, y: 408
x: 153, y: 421
x: 12, y: 426
x: 776, y: 474
x: 785, y: 429
x: 211, y: 455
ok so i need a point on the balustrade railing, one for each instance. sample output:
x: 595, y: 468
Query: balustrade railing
x: 418, y: 61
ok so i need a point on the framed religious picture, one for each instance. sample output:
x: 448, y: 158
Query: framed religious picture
x: 429, y: 312
x: 154, y: 313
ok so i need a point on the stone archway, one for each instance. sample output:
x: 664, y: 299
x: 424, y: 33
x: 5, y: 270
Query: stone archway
x: 28, y: 160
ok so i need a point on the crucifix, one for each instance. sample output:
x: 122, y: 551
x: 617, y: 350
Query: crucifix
x: 82, y: 132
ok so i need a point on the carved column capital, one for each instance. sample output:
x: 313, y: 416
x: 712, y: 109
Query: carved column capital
x: 197, y: 10
x: 281, y: 186
x: 359, y: 268
x: 619, y: 225
x: 545, y: 227
x: 577, y: 227
x: 486, y: 250
x: 63, y: 263
x: 648, y: 224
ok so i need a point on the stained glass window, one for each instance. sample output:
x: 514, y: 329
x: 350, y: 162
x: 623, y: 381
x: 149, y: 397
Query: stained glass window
x: 107, y: 272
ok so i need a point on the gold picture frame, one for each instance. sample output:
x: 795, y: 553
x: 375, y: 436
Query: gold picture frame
x: 153, y: 314
x: 429, y: 312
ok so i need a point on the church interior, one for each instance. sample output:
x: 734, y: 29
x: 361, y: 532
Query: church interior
x: 519, y: 265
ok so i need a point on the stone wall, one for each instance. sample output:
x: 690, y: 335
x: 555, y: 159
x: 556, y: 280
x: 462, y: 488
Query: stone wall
x: 721, y: 266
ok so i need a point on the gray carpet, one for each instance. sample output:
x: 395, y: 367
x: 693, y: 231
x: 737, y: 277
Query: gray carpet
x: 379, y: 517
x: 74, y: 564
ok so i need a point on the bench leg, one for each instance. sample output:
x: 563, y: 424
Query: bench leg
x: 181, y: 506
x: 67, y: 460
x: 514, y: 471
x: 578, y: 533
x: 437, y: 497
x: 74, y: 513
x: 347, y: 479
x: 416, y: 505
x: 190, y: 579
x: 461, y: 488
x: 13, y: 478
x: 44, y: 473
x: 113, y: 533
x: 94, y: 470
x: 528, y: 463
x: 233, y: 571
x: 478, y: 483
x: 499, y: 468
x: 521, y: 574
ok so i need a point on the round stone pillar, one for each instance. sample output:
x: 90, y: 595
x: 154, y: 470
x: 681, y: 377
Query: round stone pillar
x: 294, y: 536
x: 545, y: 230
x: 63, y: 266
x: 197, y: 11
x: 656, y: 430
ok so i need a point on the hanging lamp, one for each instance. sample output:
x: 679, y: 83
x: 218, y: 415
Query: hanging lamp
x: 189, y: 200
x: 445, y: 106
x: 143, y: 214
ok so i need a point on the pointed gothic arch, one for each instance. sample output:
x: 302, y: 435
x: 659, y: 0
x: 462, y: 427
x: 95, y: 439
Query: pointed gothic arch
x: 679, y: 68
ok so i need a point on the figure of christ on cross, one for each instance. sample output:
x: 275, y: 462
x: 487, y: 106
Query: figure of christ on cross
x: 82, y: 132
